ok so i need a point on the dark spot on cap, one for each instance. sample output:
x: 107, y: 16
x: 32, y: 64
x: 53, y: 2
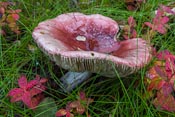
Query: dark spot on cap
x: 92, y: 54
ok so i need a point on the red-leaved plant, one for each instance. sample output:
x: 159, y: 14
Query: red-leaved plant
x: 159, y: 24
x: 160, y: 20
x: 8, y: 17
x: 161, y: 78
x: 76, y: 107
x: 129, y: 31
x: 30, y: 93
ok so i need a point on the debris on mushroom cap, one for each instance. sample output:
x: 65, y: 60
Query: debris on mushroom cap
x: 81, y: 38
x: 79, y: 42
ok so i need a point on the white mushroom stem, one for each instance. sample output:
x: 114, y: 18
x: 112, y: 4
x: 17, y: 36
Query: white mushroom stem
x: 72, y: 79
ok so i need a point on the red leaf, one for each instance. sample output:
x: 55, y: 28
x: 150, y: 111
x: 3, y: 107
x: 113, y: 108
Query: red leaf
x: 152, y: 73
x: 148, y: 24
x: 37, y: 77
x: 37, y: 81
x: 82, y: 95
x: 32, y: 83
x: 73, y: 104
x: 29, y: 93
x: 22, y: 82
x: 17, y: 10
x: 37, y: 89
x: 170, y: 66
x: 167, y: 89
x: 131, y: 8
x: 164, y: 20
x: 159, y: 22
x: 2, y: 32
x: 172, y: 81
x: 61, y: 112
x: 167, y: 9
x: 36, y: 100
x: 156, y: 83
x: 134, y: 33
x: 160, y: 72
x: 159, y: 13
x: 14, y: 11
x: 131, y: 22
x: 43, y: 80
x: 2, y: 10
x: 69, y: 114
x: 128, y: 31
x: 161, y: 29
x: 5, y: 4
x: 164, y: 102
x: 80, y: 109
x: 15, y: 16
x: 163, y: 54
x: 126, y: 37
x: 26, y: 98
x: 161, y: 85
x: 16, y: 94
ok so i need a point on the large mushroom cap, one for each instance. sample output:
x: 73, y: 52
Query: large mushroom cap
x: 79, y: 42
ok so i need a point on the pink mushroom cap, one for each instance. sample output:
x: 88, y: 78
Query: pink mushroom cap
x: 79, y: 42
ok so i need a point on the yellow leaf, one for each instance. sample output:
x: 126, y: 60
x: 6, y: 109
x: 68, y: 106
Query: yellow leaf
x: 10, y: 19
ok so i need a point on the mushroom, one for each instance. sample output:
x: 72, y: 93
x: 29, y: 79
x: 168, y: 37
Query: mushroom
x: 88, y: 43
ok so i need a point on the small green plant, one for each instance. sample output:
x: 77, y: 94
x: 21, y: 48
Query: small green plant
x: 129, y: 31
x: 76, y: 107
x: 8, y: 18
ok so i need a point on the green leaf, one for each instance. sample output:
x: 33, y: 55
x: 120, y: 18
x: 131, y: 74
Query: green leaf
x: 47, y: 108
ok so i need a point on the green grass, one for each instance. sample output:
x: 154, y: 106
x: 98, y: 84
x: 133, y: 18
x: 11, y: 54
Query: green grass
x: 118, y: 97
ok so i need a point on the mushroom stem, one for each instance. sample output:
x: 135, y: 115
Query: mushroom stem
x: 72, y: 79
